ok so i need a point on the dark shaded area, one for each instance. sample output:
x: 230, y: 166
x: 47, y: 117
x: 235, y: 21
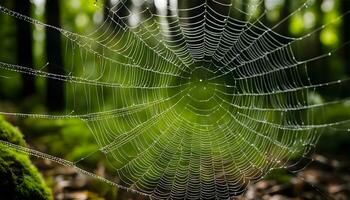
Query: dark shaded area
x: 285, y: 12
x: 346, y: 34
x: 55, y: 88
x: 25, y: 46
x: 107, y: 7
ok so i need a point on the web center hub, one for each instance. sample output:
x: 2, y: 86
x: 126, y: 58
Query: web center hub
x: 202, y: 86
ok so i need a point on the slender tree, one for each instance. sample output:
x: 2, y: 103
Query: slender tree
x: 107, y: 7
x: 55, y: 88
x: 25, y: 46
x: 284, y: 15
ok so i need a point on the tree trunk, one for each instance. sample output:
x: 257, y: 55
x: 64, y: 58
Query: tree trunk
x: 124, y: 11
x: 25, y: 46
x: 285, y: 12
x: 107, y: 7
x: 55, y: 88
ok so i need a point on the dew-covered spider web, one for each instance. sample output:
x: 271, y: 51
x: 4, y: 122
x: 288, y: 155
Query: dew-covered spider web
x: 187, y: 100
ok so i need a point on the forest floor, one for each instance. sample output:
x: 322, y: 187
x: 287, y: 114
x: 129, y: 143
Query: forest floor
x: 324, y: 178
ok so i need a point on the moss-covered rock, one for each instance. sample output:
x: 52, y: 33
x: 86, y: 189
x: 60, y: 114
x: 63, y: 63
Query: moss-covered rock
x: 20, y: 180
x: 10, y: 134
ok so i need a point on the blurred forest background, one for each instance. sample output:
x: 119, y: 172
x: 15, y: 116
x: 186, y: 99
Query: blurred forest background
x: 25, y: 44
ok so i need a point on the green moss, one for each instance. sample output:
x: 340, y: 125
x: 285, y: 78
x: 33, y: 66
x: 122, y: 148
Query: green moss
x: 10, y: 134
x: 19, y: 178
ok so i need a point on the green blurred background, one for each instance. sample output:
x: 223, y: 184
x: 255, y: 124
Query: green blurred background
x: 32, y: 47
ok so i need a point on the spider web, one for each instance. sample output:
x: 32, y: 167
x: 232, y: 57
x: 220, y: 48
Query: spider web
x: 190, y: 101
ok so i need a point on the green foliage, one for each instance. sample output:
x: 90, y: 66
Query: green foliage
x: 59, y: 137
x: 336, y: 141
x: 20, y: 179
